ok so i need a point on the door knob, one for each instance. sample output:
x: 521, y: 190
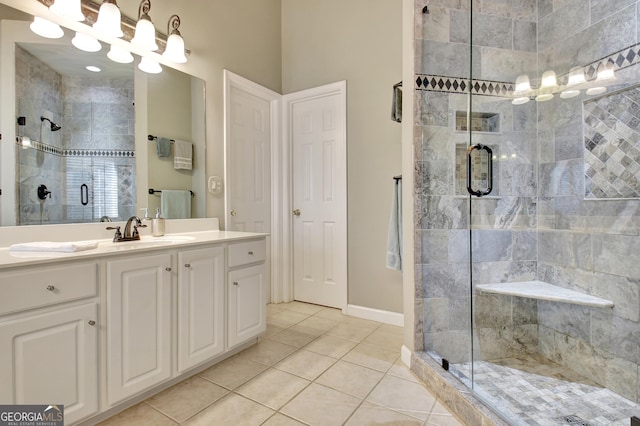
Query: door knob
x: 92, y: 323
x: 296, y: 212
x: 233, y: 212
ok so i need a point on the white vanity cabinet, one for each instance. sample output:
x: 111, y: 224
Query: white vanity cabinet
x: 49, y: 337
x: 200, y: 305
x: 138, y: 305
x: 246, y: 291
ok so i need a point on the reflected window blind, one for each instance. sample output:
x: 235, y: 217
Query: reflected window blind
x: 101, y: 177
x: 105, y: 188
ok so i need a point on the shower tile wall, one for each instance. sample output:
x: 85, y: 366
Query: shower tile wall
x: 539, y: 226
x: 38, y: 93
x: 506, y: 241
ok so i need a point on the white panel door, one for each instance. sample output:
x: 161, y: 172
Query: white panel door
x: 138, y: 324
x: 52, y: 359
x: 200, y: 305
x: 248, y: 144
x: 317, y: 118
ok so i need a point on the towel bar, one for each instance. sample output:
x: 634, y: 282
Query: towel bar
x: 151, y: 137
x: 157, y: 191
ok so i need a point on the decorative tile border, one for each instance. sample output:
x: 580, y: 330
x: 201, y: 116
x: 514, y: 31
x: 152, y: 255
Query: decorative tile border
x: 107, y: 153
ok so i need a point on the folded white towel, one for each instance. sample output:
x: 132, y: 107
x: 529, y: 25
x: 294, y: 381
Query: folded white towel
x: 183, y: 155
x: 55, y: 246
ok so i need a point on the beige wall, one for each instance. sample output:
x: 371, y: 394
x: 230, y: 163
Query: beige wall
x: 360, y: 41
x: 240, y: 35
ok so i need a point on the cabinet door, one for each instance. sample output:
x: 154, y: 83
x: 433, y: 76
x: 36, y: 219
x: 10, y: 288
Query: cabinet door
x: 247, y: 304
x: 138, y: 324
x: 200, y: 305
x: 51, y: 358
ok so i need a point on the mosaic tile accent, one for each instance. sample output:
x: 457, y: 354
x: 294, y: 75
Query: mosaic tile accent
x: 537, y: 391
x: 39, y: 146
x: 611, y: 133
x: 439, y: 83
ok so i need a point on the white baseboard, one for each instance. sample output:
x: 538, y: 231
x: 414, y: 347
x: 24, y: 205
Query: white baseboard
x: 386, y: 317
x: 405, y: 355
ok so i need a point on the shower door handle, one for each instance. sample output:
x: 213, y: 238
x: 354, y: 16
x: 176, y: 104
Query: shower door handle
x: 84, y: 194
x: 489, y: 187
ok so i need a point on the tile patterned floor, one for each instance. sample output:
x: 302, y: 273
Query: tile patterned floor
x: 314, y: 366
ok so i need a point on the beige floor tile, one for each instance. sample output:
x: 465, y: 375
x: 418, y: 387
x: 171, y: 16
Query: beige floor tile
x: 439, y: 408
x: 306, y: 364
x: 233, y: 372
x: 332, y: 346
x: 287, y: 318
x: 318, y: 405
x: 232, y: 410
x: 386, y: 339
x: 304, y: 308
x: 281, y: 420
x: 404, y: 396
x: 371, y: 414
x: 319, y: 323
x: 267, y: 352
x: 350, y: 378
x: 296, y: 336
x: 399, y: 369
x: 351, y: 331
x: 273, y: 328
x: 371, y: 356
x: 362, y: 322
x: 331, y: 313
x: 274, y: 308
x: 139, y: 415
x: 273, y: 388
x: 443, y: 420
x: 187, y: 398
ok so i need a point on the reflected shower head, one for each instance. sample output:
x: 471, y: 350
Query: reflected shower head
x: 54, y: 126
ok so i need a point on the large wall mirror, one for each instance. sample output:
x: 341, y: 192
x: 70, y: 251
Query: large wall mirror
x: 83, y: 151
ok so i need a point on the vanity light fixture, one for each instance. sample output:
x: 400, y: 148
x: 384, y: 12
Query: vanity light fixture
x: 576, y: 77
x: 45, y: 28
x: 548, y: 83
x: 149, y: 66
x: 174, y: 51
x: 86, y: 43
x: 605, y: 73
x: 522, y: 90
x: 108, y: 21
x: 120, y: 55
x: 70, y: 9
x: 145, y: 35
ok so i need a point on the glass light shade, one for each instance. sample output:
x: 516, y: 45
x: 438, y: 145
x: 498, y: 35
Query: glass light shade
x: 85, y: 42
x: 605, y: 72
x: 118, y: 54
x: 596, y: 91
x: 174, y: 51
x: 520, y: 101
x: 576, y: 76
x: 149, y: 66
x: 567, y: 94
x: 45, y: 28
x: 522, y: 84
x: 549, y: 80
x: 25, y: 142
x: 145, y: 36
x: 109, y: 20
x: 544, y: 97
x: 68, y: 8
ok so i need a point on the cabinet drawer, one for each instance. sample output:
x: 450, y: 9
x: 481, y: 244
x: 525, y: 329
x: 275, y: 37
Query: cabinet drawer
x: 249, y: 252
x: 31, y: 288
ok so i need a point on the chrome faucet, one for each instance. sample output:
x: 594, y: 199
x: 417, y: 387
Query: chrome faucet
x: 130, y: 230
x: 105, y: 219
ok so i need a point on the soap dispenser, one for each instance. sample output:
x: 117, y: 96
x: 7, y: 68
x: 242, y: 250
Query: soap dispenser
x: 157, y: 225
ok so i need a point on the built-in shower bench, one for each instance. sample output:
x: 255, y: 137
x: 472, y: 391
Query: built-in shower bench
x: 544, y: 291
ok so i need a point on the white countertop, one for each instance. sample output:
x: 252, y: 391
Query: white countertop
x: 106, y: 247
x: 545, y: 291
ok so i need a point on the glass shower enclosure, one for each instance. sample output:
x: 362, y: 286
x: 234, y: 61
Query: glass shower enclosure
x: 528, y: 201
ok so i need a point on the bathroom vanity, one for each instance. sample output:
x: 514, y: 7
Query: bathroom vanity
x: 98, y: 330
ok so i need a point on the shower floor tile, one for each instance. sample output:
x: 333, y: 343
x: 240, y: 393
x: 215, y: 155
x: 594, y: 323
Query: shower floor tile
x: 537, y: 391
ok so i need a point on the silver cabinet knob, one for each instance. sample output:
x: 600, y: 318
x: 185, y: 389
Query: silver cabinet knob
x: 51, y: 287
x: 92, y: 323
x: 250, y: 253
x: 167, y: 269
x: 233, y: 212
x: 296, y: 212
x: 235, y: 283
x: 187, y: 265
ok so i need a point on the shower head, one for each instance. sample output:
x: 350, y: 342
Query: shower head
x: 54, y: 126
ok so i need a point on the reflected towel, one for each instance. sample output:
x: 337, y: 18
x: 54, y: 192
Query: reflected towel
x: 183, y: 155
x: 394, y: 239
x: 163, y: 146
x: 396, y: 105
x: 51, y: 246
x: 175, y: 204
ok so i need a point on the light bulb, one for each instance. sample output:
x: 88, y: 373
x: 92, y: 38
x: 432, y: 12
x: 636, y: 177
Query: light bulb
x: 69, y: 9
x: 549, y: 80
x: 109, y: 20
x: 175, y: 49
x: 45, y: 28
x: 86, y: 43
x: 522, y: 84
x: 149, y: 66
x: 145, y: 36
x: 118, y: 54
x: 576, y: 76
